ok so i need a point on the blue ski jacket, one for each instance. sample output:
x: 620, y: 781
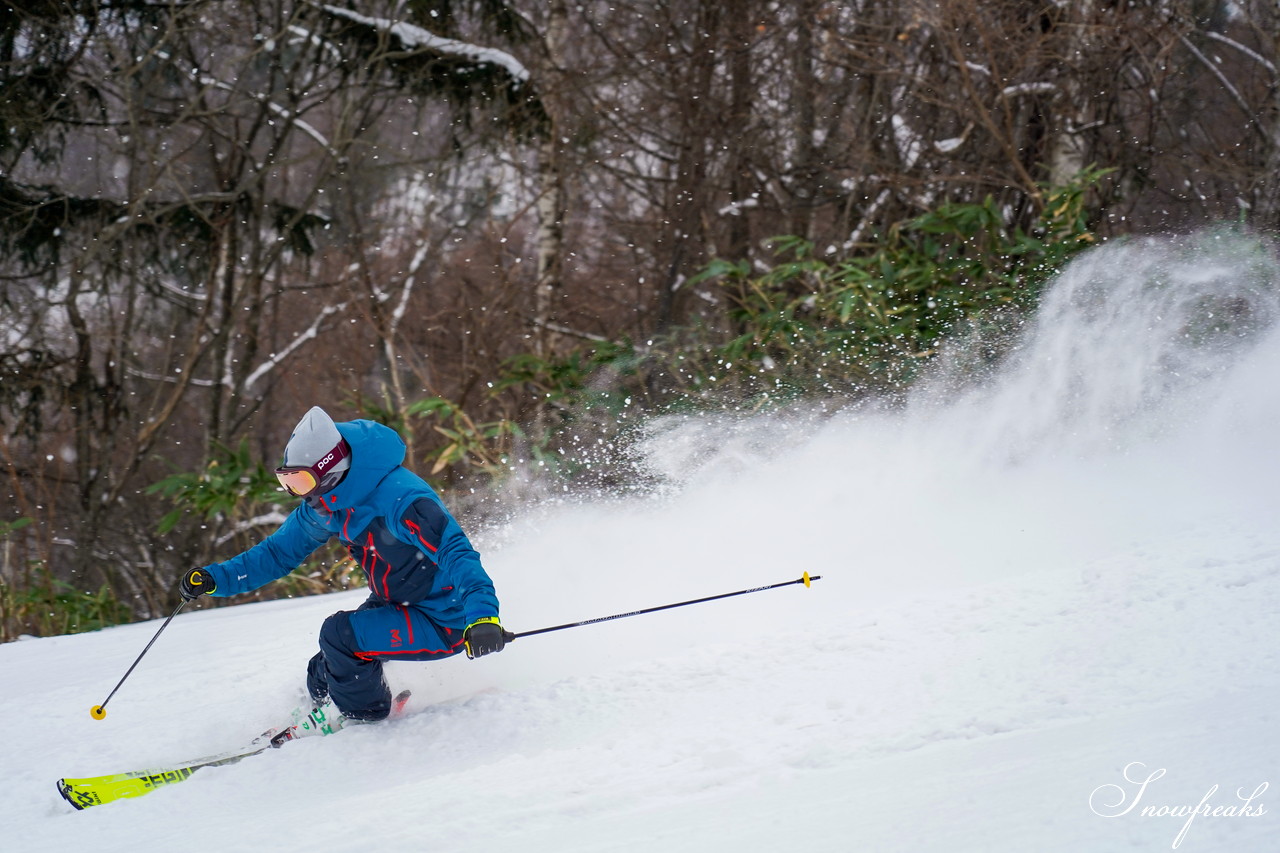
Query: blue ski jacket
x: 391, y: 522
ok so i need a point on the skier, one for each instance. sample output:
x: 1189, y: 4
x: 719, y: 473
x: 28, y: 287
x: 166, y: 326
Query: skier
x: 430, y: 596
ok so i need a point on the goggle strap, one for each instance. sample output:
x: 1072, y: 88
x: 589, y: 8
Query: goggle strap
x: 333, y: 457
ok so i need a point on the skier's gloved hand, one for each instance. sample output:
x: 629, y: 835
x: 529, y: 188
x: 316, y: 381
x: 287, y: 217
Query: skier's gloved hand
x: 196, y: 583
x: 485, y: 636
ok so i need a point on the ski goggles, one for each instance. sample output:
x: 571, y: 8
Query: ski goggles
x: 302, y: 480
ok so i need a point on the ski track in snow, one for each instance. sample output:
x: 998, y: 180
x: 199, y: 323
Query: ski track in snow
x: 968, y: 675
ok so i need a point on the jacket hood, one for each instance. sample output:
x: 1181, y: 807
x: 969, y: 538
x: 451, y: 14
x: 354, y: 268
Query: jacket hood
x: 376, y: 451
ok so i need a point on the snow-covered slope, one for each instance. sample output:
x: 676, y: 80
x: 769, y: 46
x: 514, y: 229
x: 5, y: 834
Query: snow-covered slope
x: 1034, y: 590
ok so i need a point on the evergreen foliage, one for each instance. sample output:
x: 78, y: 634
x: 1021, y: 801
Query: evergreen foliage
x: 45, y: 606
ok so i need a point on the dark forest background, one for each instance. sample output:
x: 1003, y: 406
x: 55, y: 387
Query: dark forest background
x: 514, y: 230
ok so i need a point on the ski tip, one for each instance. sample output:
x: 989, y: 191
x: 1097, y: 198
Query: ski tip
x: 65, y: 790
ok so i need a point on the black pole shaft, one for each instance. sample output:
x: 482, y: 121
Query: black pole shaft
x: 103, y: 706
x: 806, y: 580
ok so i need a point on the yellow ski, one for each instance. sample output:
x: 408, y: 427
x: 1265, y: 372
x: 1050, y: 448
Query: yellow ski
x: 96, y: 790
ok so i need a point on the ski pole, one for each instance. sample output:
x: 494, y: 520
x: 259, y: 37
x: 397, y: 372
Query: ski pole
x: 99, y: 712
x: 806, y: 580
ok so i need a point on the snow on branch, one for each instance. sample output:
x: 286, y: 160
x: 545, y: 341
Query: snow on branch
x: 275, y: 517
x: 419, y: 259
x: 566, y: 330
x: 311, y: 332
x: 1254, y: 55
x: 909, y: 143
x: 1029, y: 89
x: 1226, y: 84
x: 416, y: 38
x: 209, y: 80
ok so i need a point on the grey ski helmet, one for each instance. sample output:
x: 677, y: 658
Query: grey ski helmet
x: 316, y: 457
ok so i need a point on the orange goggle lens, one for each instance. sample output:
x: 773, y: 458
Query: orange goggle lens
x: 299, y: 481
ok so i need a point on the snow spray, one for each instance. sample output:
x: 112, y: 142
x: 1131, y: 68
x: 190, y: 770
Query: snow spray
x: 1137, y: 400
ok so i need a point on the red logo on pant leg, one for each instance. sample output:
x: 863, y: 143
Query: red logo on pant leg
x: 395, y: 637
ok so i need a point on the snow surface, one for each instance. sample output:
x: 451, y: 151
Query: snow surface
x: 1032, y: 589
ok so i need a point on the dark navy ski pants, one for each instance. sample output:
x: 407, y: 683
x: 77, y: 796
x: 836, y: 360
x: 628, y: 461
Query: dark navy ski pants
x: 354, y: 643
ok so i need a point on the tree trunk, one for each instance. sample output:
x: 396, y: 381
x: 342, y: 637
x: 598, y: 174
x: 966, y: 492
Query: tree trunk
x: 551, y: 203
x: 1067, y: 155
